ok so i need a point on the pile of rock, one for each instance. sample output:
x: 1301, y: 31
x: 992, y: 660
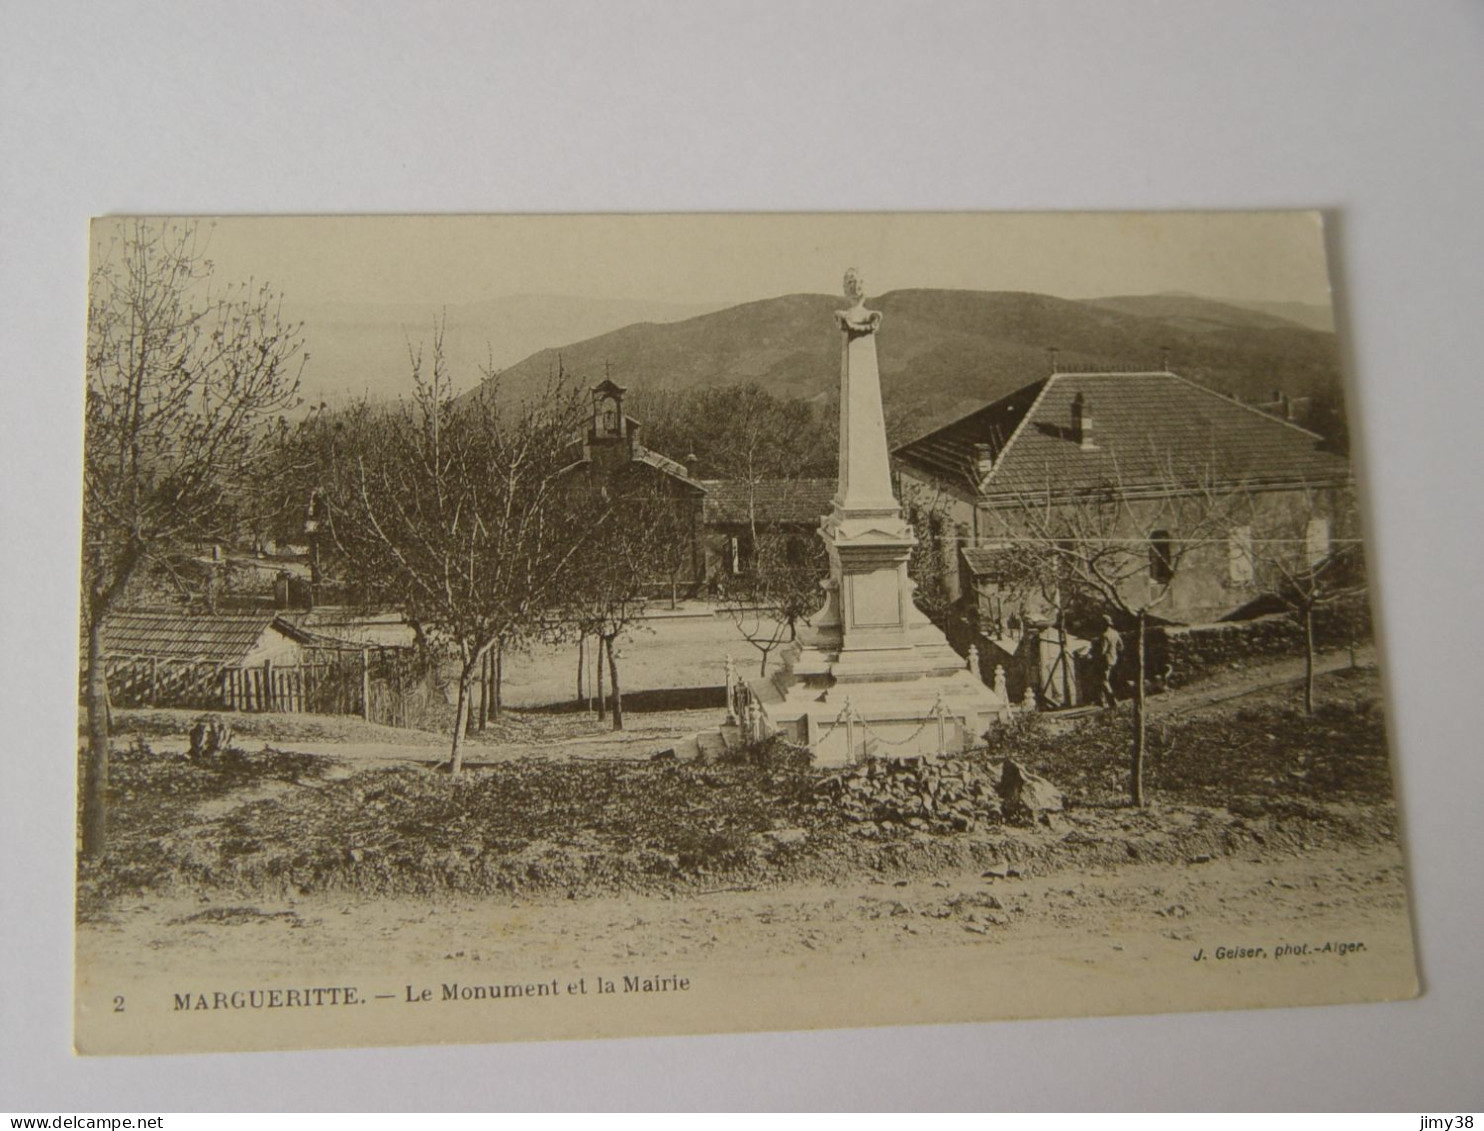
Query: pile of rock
x: 937, y: 795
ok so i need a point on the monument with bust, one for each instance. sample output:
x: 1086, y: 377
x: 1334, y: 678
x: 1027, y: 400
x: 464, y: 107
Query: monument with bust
x: 872, y: 676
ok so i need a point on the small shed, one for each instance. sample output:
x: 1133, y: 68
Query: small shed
x: 250, y: 661
x: 238, y: 640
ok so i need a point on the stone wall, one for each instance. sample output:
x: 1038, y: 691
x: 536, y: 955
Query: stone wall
x: 1343, y: 623
x: 1197, y: 650
x: 1186, y: 652
x: 1193, y: 651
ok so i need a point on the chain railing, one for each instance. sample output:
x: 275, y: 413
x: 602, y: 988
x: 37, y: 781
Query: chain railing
x: 744, y: 712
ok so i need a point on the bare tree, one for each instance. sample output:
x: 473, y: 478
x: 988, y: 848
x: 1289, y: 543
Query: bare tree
x: 777, y: 588
x: 614, y: 605
x: 455, y: 511
x: 671, y: 542
x: 935, y: 555
x: 634, y: 523
x: 1121, y: 548
x: 183, y: 379
x: 1289, y: 545
x: 762, y: 446
x: 741, y: 432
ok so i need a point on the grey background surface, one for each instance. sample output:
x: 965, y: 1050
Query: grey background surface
x: 1369, y: 109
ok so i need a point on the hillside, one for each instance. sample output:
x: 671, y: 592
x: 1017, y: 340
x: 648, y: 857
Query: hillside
x: 945, y: 352
x: 1197, y: 312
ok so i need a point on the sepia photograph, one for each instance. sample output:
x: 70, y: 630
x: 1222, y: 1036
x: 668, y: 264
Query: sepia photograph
x: 501, y: 628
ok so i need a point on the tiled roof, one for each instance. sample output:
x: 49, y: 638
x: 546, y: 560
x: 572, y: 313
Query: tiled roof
x: 982, y: 562
x: 1147, y: 427
x: 664, y: 463
x: 737, y: 502
x: 181, y: 636
x: 950, y: 452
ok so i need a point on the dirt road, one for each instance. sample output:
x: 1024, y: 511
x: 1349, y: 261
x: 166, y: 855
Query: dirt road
x: 646, y: 734
x: 585, y: 736
x: 959, y: 946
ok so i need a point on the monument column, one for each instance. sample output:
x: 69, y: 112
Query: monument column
x: 870, y: 674
x: 865, y: 467
x: 869, y: 542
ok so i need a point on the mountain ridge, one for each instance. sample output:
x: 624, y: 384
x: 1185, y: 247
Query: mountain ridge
x: 945, y: 352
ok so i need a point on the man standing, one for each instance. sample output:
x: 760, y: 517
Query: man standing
x: 1107, y: 650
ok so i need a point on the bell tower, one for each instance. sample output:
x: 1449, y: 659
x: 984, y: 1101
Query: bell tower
x: 608, y: 417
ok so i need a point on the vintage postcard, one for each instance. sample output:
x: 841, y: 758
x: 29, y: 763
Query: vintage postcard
x: 543, y: 627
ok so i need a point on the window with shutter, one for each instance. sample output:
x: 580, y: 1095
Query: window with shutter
x: 1161, y: 562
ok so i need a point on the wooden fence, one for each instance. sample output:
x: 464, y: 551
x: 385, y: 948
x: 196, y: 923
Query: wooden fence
x: 403, y: 690
x: 326, y: 688
x: 145, y: 681
x: 383, y: 685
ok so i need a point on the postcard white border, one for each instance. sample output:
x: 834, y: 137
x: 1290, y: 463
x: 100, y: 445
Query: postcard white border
x: 1365, y: 108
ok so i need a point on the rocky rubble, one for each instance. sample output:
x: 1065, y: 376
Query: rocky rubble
x: 1026, y: 795
x: 936, y: 795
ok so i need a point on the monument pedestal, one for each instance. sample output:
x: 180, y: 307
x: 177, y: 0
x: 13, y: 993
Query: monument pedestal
x: 883, y: 718
x: 873, y: 677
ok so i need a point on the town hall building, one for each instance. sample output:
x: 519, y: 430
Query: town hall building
x: 1135, y: 445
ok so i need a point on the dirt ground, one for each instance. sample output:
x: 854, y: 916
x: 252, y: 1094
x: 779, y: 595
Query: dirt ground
x: 960, y: 946
x: 1058, y: 926
x: 1318, y: 894
x: 582, y: 734
x: 685, y: 647
x: 350, y: 743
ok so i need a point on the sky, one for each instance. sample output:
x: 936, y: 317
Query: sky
x: 368, y: 287
x: 718, y: 259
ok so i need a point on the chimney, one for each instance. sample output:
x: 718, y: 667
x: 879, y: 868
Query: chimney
x: 983, y: 460
x: 1082, y: 423
x: 692, y: 464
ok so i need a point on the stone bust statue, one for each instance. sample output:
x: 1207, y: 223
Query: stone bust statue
x: 857, y: 320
